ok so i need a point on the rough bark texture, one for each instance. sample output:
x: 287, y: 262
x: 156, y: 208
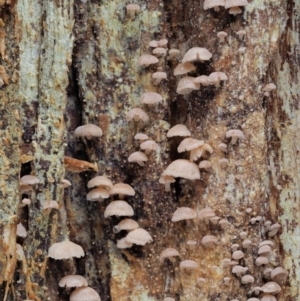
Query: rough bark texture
x: 68, y: 63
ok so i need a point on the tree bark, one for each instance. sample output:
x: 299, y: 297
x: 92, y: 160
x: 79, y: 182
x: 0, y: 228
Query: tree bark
x: 69, y: 63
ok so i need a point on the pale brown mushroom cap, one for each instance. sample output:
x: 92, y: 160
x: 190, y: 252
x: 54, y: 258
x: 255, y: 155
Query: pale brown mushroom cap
x: 197, y: 54
x: 173, y: 53
x: 209, y: 241
x: 168, y: 253
x: 236, y: 255
x: 223, y: 162
x: 85, y: 294
x: 51, y: 204
x: 233, y: 3
x: 234, y: 135
x: 97, y: 194
x: 21, y: 231
x: 138, y: 236
x: 206, y: 213
x: 122, y: 244
x: 201, y: 281
x: 183, y: 213
x: 213, y: 4
x: 149, y: 145
x: 182, y: 168
x: 138, y: 157
x: 184, y: 68
x: 205, y: 164
x: 125, y: 224
x: 189, y: 144
x: 222, y: 147
x: 29, y: 180
x: 222, y: 35
x: 266, y: 297
x: 188, y: 265
x: 88, y: 131
x: 166, y: 180
x: 141, y: 137
x: 239, y: 270
x: 162, y: 43
x: 153, y: 44
x: 25, y: 202
x: 271, y: 287
x: 137, y: 114
x: 65, y: 250
x: 66, y: 183
x: 179, y: 130
x: 246, y: 243
x: 102, y: 181
x: 266, y: 242
x: 132, y: 9
x: 242, y: 49
x: 151, y: 98
x: 186, y: 85
x: 158, y: 51
x: 261, y: 260
x: 158, y: 77
x: 118, y: 208
x: 202, y: 79
x: 147, y: 60
x: 279, y: 275
x: 73, y: 281
x: 122, y: 188
x: 241, y: 33
x: 215, y: 77
x: 247, y: 279
x: 264, y: 250
x: 269, y: 87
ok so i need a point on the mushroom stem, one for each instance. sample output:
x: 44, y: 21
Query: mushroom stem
x: 167, y: 187
x: 140, y: 163
x: 156, y: 81
x: 222, y: 39
x: 234, y: 140
x: 121, y: 196
x: 147, y: 152
x: 216, y: 8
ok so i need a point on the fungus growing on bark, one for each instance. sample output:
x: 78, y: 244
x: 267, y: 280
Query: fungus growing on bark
x: 184, y: 68
x: 182, y: 168
x: 267, y: 273
x: 186, y: 85
x: 183, y: 213
x: 137, y: 114
x: 205, y: 164
x: 206, y: 214
x: 29, y: 180
x: 89, y: 131
x: 239, y: 270
x: 151, y: 98
x: 158, y: 76
x: 241, y: 34
x: 234, y: 6
x: 234, y: 247
x: 223, y: 162
x: 160, y: 43
x: 100, y: 181
x: 209, y: 241
x: 226, y: 262
x: 168, y: 253
x: 125, y: 224
x: 188, y: 265
x: 123, y: 244
x: 19, y: 252
x: 222, y: 35
x: 178, y: 130
x: 242, y: 50
x: 237, y: 255
x: 159, y: 51
x: 118, y: 208
x: 216, y: 77
x: 271, y: 287
x: 173, y: 53
x: 197, y: 54
x: 189, y: 144
x: 138, y: 236
x: 73, y: 281
x: 21, y: 231
x: 266, y: 297
x: 268, y: 88
x: 215, y: 4
x: 261, y: 260
x: 274, y: 229
x: 132, y: 10
x: 243, y: 235
x: 141, y: 137
x: 166, y: 180
x: 201, y: 281
x: 264, y: 250
x: 25, y: 202
x: 247, y: 279
x: 85, y: 294
x: 169, y: 299
x: 149, y: 146
x: 98, y: 194
x: 202, y: 79
x: 279, y: 275
x: 65, y: 250
x: 147, y: 60
x: 222, y: 147
x: 226, y: 280
x: 246, y: 243
x: 65, y: 183
x: 122, y: 189
x: 223, y: 223
x: 235, y: 135
x: 138, y: 157
x: 199, y: 151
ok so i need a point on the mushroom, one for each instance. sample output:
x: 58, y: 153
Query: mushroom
x: 184, y: 68
x: 186, y: 85
x: 168, y: 253
x: 261, y: 260
x: 246, y: 243
x: 241, y: 34
x: 137, y: 114
x: 151, y: 98
x: 173, y: 53
x: 274, y: 229
x: 73, y: 281
x: 188, y: 265
x: 122, y: 189
x: 226, y: 280
x: 201, y: 281
x: 100, y: 181
x: 132, y: 10
x: 51, y: 204
x: 202, y: 79
x: 147, y: 60
x: 118, y: 208
x: 223, y: 162
x: 138, y: 157
x: 169, y: 299
x: 166, y: 180
x: 239, y: 270
x: 98, y: 194
x: 85, y: 294
x: 25, y: 202
x: 271, y: 288
x: 19, y: 252
x: 236, y: 255
x: 122, y: 244
x: 197, y: 54
x: 179, y: 130
x: 215, y: 4
x: 264, y: 250
x: 223, y: 223
x: 247, y: 279
x: 198, y: 152
x: 189, y: 144
x: 182, y: 168
x: 222, y: 147
x: 268, y: 88
x: 29, y: 180
x: 65, y: 250
x: 141, y: 137
x: 235, y: 135
x: 209, y: 241
x: 138, y: 236
x: 222, y: 35
x: 279, y: 275
x: 267, y: 297
x: 65, y: 183
x: 21, y: 231
x: 267, y: 273
x: 234, y: 6
x: 226, y: 262
x: 125, y: 224
x: 206, y: 214
x: 205, y: 164
x: 89, y: 131
x: 183, y: 213
x: 158, y: 76
x: 159, y: 51
x: 148, y: 146
x: 216, y: 77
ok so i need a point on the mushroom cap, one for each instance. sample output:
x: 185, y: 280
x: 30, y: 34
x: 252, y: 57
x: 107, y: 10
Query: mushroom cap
x: 66, y: 183
x: 209, y: 240
x: 153, y: 44
x: 271, y: 287
x: 98, y: 193
x: 202, y: 79
x: 188, y: 265
x: 88, y: 130
x: 261, y: 260
x: 162, y: 42
x: 215, y: 77
x: 159, y: 75
x: 183, y: 213
x: 147, y: 59
x: 206, y: 213
x: 213, y: 3
x: 186, y: 85
x: 195, y: 54
x: 29, y: 180
x: 133, y: 6
x: 279, y: 274
x: 138, y: 236
x: 182, y: 168
x: 269, y: 87
x: 174, y: 52
x: 19, y: 252
x: 137, y: 157
x: 50, y: 205
x: 166, y: 179
x: 205, y: 164
x: 222, y: 34
x: 149, y: 145
x: 118, y: 208
x: 235, y: 133
x: 25, y: 202
x: 266, y: 297
x: 246, y: 243
x: 178, y: 130
x: 222, y: 147
x: 73, y: 281
x: 188, y: 144
x: 126, y: 224
x: 167, y: 253
x: 236, y: 255
x: 137, y: 114
x: 123, y: 244
x: 21, y: 231
x: 234, y: 3
x: 266, y: 242
x: 264, y: 250
x: 141, y: 136
x: 65, y: 250
x: 151, y: 98
x: 122, y: 188
x: 100, y: 181
x: 184, y: 68
x: 85, y: 294
x: 247, y: 279
x: 159, y: 51
x: 239, y: 270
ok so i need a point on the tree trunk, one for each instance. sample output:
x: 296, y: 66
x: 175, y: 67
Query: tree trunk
x: 66, y: 64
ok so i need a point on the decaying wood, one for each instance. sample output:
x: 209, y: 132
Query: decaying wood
x: 65, y: 64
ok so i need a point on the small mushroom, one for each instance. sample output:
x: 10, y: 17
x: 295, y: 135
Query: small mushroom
x: 158, y: 76
x: 166, y: 180
x: 147, y: 60
x: 235, y: 135
x: 88, y: 130
x: 137, y: 114
x: 132, y: 9
x: 138, y: 157
x: 148, y: 146
x: 222, y: 35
